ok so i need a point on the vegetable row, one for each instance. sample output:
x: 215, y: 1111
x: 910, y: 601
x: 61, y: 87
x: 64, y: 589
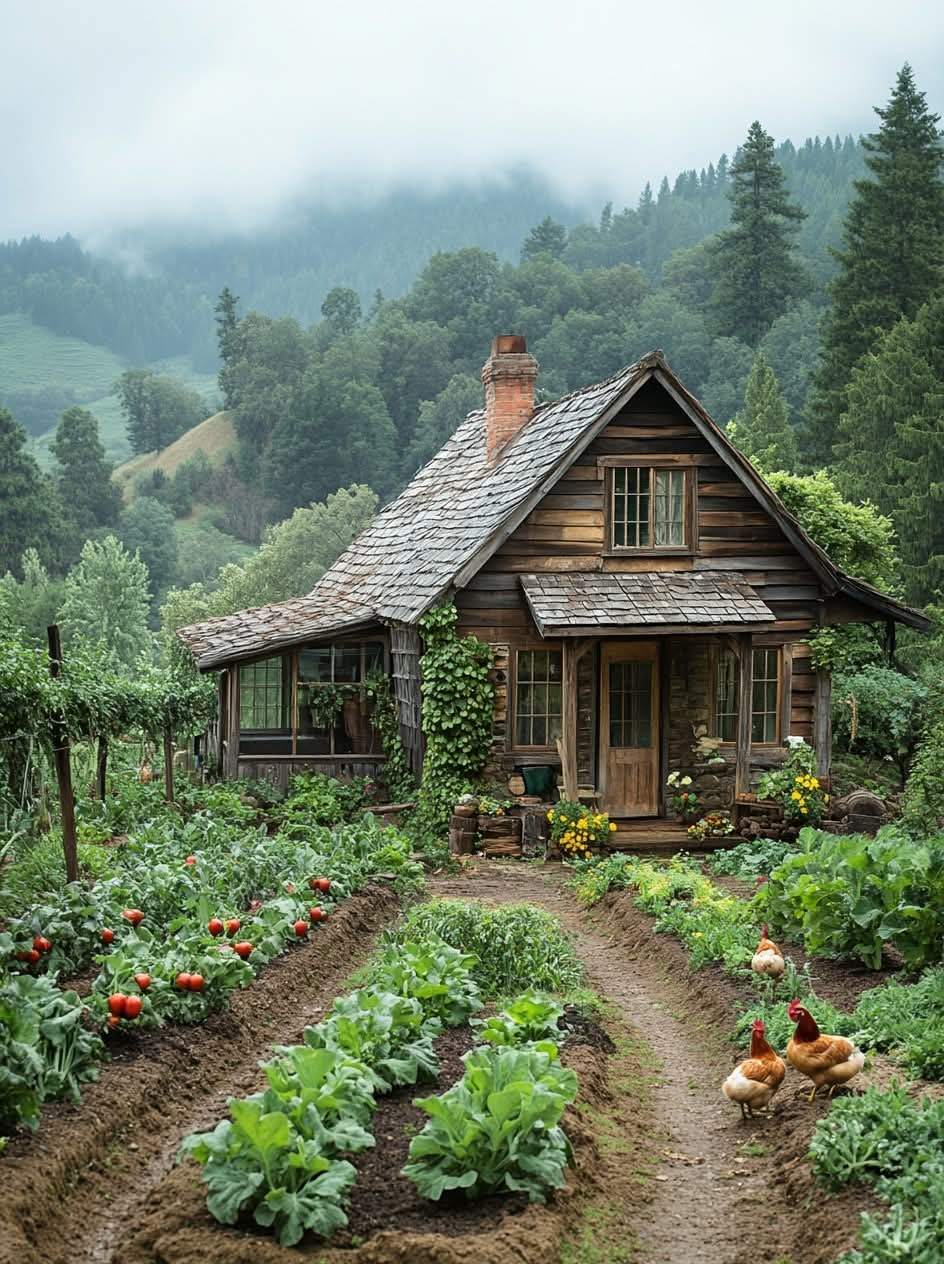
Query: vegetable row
x: 283, y: 1156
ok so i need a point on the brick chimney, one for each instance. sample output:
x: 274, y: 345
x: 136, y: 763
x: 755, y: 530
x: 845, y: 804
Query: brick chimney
x: 509, y: 375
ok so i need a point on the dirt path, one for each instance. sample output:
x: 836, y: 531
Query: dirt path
x: 702, y: 1182
x: 71, y: 1191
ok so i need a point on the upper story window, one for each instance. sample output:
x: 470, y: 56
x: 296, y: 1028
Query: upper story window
x: 648, y: 508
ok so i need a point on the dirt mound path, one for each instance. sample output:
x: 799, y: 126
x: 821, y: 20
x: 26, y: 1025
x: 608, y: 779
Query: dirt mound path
x: 721, y: 1190
x: 72, y: 1191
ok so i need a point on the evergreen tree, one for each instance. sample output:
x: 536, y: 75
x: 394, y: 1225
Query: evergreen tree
x: 227, y: 337
x: 891, y: 441
x: 546, y: 238
x: 757, y: 275
x: 106, y: 600
x: 762, y: 428
x: 30, y: 510
x: 893, y: 251
x: 84, y: 475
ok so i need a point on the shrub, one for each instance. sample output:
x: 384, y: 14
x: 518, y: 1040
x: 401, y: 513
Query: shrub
x: 516, y: 945
x: 748, y: 861
x: 876, y: 711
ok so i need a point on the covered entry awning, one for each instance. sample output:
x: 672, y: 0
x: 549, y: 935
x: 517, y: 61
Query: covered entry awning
x: 596, y: 603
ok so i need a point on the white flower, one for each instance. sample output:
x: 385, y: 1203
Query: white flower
x: 686, y: 781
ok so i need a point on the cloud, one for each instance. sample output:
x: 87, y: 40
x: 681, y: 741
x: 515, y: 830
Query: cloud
x: 217, y: 113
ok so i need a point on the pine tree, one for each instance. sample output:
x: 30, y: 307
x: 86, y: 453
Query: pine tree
x: 757, y: 275
x: 84, y: 475
x: 546, y: 238
x: 30, y: 510
x: 891, y: 441
x: 893, y: 251
x: 762, y: 428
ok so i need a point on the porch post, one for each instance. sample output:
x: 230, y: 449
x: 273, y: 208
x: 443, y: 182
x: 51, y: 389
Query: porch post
x: 742, y: 770
x: 573, y: 653
x: 823, y: 723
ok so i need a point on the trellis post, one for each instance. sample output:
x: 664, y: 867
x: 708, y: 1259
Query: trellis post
x: 60, y: 750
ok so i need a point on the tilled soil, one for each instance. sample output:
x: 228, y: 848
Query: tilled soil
x: 666, y: 1172
x: 72, y: 1190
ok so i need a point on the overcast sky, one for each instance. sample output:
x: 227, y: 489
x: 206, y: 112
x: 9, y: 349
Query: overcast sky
x: 116, y: 112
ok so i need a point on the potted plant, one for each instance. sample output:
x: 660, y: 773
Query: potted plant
x: 711, y: 825
x: 684, y: 799
x: 575, y: 830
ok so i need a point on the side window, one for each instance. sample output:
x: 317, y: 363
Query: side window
x: 648, y: 508
x: 263, y: 697
x: 765, y: 700
x: 538, y: 697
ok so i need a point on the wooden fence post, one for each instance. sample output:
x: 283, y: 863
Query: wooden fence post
x: 168, y: 765
x: 60, y: 750
x: 102, y: 767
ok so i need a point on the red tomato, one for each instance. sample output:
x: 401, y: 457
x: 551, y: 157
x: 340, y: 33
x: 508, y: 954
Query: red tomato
x: 215, y: 926
x: 243, y: 949
x: 114, y: 1020
x: 196, y: 983
x: 143, y: 981
x: 232, y: 926
x: 134, y: 916
x: 323, y: 884
x: 190, y: 860
x: 117, y: 1002
x: 107, y: 936
x: 31, y: 955
x: 133, y: 1006
x: 301, y: 929
x: 316, y: 914
x: 183, y: 981
x: 41, y: 943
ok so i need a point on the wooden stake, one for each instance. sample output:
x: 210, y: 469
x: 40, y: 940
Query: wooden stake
x: 102, y: 767
x: 60, y: 750
x: 168, y: 766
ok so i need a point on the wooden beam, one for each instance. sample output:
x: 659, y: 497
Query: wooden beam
x: 567, y: 743
x: 742, y: 770
x: 823, y: 723
x: 786, y: 691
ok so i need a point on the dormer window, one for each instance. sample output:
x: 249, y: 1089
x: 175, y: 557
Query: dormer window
x: 649, y: 508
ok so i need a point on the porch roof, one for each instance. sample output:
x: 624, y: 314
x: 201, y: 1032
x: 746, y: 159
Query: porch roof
x: 578, y: 603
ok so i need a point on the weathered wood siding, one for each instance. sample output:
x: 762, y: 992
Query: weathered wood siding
x: 405, y: 654
x: 566, y: 532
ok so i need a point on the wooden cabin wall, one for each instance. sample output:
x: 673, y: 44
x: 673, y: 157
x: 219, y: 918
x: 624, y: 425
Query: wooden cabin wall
x: 565, y: 532
x: 405, y: 655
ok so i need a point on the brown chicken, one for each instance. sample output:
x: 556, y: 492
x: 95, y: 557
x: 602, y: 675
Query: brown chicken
x: 831, y: 1060
x: 753, y: 1083
x: 768, y: 959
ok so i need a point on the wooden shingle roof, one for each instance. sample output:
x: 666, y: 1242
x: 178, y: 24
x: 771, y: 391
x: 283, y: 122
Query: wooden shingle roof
x: 458, y: 509
x: 578, y: 603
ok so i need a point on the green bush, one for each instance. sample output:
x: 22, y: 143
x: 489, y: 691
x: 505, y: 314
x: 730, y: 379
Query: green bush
x: 516, y: 945
x: 877, y: 711
x: 751, y: 860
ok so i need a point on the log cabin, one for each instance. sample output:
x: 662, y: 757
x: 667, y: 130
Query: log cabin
x: 639, y: 582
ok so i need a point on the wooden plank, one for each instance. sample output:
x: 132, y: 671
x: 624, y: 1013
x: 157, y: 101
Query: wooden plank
x: 786, y: 689
x: 572, y: 535
x: 742, y: 769
x: 786, y: 561
x: 823, y: 723
x: 567, y: 742
x: 519, y: 562
x: 734, y: 518
x: 641, y: 431
x: 619, y: 456
x: 725, y: 490
x: 580, y: 473
x: 573, y: 500
x: 493, y: 599
x: 565, y: 518
x: 618, y: 564
x: 63, y: 761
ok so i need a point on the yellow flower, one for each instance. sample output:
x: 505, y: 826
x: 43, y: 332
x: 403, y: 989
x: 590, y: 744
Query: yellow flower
x: 825, y: 798
x: 803, y: 810
x: 796, y: 795
x: 550, y: 816
x: 612, y: 826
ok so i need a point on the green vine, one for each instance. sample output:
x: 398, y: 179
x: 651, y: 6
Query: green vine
x: 397, y: 773
x: 458, y: 705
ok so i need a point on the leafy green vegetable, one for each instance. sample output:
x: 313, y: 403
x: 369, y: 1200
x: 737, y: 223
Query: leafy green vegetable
x: 498, y: 1128
x: 431, y: 972
x: 389, y: 1034
x: 530, y: 1017
x: 257, y: 1161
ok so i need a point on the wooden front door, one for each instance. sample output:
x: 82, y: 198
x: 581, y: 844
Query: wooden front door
x: 629, y: 728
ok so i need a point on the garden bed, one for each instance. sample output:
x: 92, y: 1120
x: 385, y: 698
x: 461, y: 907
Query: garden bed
x: 70, y: 1187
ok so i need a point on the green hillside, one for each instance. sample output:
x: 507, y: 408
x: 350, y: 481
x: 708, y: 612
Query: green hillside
x: 32, y: 358
x: 215, y: 437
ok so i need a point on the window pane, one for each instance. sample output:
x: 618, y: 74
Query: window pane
x: 630, y: 702
x: 726, y: 689
x: 347, y: 664
x: 538, y: 697
x: 669, y: 507
x: 765, y: 695
x: 315, y: 664
x: 261, y: 695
